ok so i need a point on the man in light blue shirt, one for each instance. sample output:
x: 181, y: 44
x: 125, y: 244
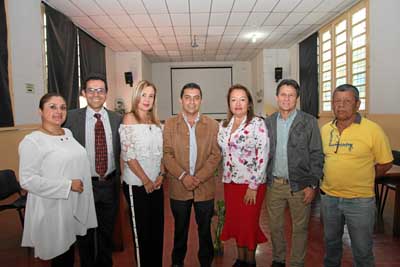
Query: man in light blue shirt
x: 293, y: 172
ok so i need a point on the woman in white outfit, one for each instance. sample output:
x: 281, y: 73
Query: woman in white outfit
x: 55, y: 171
x: 141, y: 152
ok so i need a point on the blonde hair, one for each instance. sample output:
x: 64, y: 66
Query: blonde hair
x: 137, y: 94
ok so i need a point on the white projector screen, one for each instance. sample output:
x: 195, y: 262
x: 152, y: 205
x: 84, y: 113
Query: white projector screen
x: 214, y: 83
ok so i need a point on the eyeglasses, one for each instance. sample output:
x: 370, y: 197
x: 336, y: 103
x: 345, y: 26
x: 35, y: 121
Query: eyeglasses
x: 100, y: 91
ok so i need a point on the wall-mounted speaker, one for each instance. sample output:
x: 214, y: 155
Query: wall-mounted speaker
x: 129, y: 78
x: 278, y: 74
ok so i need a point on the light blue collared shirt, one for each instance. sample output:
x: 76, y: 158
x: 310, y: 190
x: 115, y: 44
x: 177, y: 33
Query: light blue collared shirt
x: 192, y: 143
x: 280, y: 168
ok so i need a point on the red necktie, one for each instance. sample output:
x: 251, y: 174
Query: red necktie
x: 100, y: 145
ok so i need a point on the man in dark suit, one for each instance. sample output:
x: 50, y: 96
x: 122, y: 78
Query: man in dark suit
x: 96, y: 128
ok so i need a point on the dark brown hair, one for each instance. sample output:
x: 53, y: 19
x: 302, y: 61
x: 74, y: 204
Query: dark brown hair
x: 47, y: 97
x: 250, y: 108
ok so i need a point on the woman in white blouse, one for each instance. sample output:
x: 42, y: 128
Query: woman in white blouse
x: 141, y: 152
x: 54, y: 169
x: 245, y: 145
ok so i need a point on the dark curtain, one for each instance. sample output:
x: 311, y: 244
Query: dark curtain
x: 309, y: 95
x: 6, y: 115
x: 92, y: 56
x: 62, y: 56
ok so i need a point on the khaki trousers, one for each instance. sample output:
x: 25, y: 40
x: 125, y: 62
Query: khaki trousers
x: 278, y: 197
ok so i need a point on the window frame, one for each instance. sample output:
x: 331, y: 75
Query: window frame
x: 331, y: 27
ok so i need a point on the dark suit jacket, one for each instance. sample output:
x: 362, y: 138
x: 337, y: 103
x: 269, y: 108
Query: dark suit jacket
x: 76, y: 122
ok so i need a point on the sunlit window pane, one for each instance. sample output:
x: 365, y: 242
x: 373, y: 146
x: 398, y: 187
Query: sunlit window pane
x: 326, y: 86
x: 326, y: 96
x: 326, y: 46
x: 341, y: 60
x: 341, y: 71
x: 326, y: 76
x: 359, y: 54
x: 358, y: 29
x: 358, y: 16
x: 359, y: 67
x: 326, y: 56
x: 359, y: 41
x: 359, y: 79
x: 326, y: 106
x: 326, y: 36
x: 326, y: 66
x: 362, y: 105
x: 340, y: 27
x: 341, y: 38
x: 340, y: 81
x: 361, y: 90
x: 341, y: 49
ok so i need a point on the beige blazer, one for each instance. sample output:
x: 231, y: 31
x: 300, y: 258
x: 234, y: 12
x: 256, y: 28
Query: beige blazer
x: 176, y: 157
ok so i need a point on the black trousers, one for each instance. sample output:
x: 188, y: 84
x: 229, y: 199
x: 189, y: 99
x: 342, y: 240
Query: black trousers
x: 149, y: 220
x: 66, y: 259
x: 95, y: 248
x: 204, y: 211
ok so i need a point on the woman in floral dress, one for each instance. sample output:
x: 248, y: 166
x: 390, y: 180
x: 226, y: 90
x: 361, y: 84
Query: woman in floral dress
x: 244, y: 143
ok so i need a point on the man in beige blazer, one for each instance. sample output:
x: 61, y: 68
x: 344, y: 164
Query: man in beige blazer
x: 191, y: 156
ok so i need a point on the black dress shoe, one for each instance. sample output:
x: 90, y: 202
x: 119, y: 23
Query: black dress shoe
x: 278, y: 264
x: 239, y: 263
x: 251, y: 264
x: 177, y: 265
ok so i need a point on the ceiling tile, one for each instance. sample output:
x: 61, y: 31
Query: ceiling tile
x: 286, y: 5
x: 156, y: 6
x: 148, y: 31
x: 133, y: 6
x: 103, y: 21
x: 275, y: 18
x: 232, y: 30
x: 328, y: 5
x: 115, y: 32
x: 265, y: 5
x: 99, y: 33
x: 177, y: 6
x: 243, y: 5
x: 218, y: 19
x: 238, y: 19
x: 122, y: 40
x: 199, y: 19
x: 314, y: 17
x: 294, y: 18
x: 165, y: 31
x: 200, y: 6
x: 84, y: 22
x: 202, y: 31
x: 180, y: 19
x: 168, y: 39
x: 216, y: 30
x: 89, y: 6
x: 66, y: 7
x: 140, y: 41
x: 132, y: 31
x: 112, y: 7
x: 257, y: 18
x: 142, y: 20
x: 161, y: 20
x: 173, y: 53
x: 307, y: 6
x: 179, y: 31
x: 222, y: 6
x: 123, y: 21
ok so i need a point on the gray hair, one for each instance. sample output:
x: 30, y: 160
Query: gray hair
x: 348, y: 87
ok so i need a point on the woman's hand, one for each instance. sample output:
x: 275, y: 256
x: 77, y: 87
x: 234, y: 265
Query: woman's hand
x: 250, y: 197
x: 158, y: 182
x: 77, y: 185
x: 148, y: 186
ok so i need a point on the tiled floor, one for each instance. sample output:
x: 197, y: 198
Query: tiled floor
x: 386, y: 248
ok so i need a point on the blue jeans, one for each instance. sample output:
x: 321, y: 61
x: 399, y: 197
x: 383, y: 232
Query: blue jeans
x: 359, y: 216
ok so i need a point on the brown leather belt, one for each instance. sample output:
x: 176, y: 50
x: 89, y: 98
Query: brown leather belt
x: 281, y: 180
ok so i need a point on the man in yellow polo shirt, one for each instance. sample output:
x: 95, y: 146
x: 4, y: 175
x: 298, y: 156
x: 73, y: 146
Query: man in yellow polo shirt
x: 356, y: 151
